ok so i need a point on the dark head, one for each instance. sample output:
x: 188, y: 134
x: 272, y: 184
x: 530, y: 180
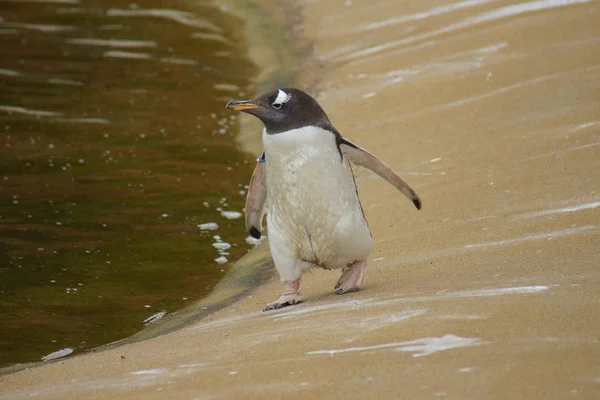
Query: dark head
x: 284, y: 109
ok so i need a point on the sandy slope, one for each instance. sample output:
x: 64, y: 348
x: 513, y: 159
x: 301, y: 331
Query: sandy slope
x: 491, y: 110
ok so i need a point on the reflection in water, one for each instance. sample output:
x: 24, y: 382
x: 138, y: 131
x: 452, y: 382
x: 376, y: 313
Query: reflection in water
x: 115, y: 145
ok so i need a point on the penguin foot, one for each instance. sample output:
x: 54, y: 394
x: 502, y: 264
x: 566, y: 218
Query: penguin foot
x: 290, y: 297
x: 340, y: 290
x: 352, y: 277
x: 284, y: 301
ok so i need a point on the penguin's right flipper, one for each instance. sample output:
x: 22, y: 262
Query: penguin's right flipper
x: 362, y: 157
x: 256, y: 199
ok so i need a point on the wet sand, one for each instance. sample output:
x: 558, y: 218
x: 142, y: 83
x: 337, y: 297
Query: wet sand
x: 490, y: 110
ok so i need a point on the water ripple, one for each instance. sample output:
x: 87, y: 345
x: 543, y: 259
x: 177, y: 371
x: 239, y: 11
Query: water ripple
x: 112, y: 42
x: 40, y: 27
x: 500, y: 13
x: 83, y: 120
x: 440, y: 10
x: 182, y: 17
x: 126, y: 54
x: 10, y: 72
x: 179, y: 61
x: 44, y: 1
x: 23, y: 110
x: 69, y: 82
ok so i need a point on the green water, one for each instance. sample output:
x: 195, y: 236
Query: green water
x: 114, y: 146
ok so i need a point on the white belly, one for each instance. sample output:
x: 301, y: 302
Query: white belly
x: 313, y: 204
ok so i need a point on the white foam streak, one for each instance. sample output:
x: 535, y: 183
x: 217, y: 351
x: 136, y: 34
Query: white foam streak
x: 181, y: 17
x: 208, y: 226
x: 155, y: 317
x: 585, y: 125
x: 492, y: 93
x: 83, y: 120
x: 523, y: 8
x: 296, y: 312
x: 45, y: 1
x: 556, y: 153
x: 195, y: 365
x: 155, y: 371
x: 57, y: 354
x: 178, y: 61
x: 420, y: 347
x: 231, y: 214
x: 227, y: 87
x: 40, y: 27
x: 502, y: 291
x: 59, y: 81
x: 503, y: 90
x: 210, y: 36
x: 112, y: 42
x: 445, y: 9
x: 23, y: 110
x: 500, y: 13
x: 127, y: 54
x: 10, y: 72
x: 579, y: 207
x: 221, y: 246
x: 539, y: 236
x: 453, y: 252
x: 221, y: 260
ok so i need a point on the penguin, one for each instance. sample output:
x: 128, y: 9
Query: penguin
x: 304, y: 179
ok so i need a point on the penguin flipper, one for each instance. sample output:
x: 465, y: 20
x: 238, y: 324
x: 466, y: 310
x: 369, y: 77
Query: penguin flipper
x: 362, y: 157
x: 256, y: 199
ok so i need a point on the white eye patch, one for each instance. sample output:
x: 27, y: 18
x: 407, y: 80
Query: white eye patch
x: 282, y: 97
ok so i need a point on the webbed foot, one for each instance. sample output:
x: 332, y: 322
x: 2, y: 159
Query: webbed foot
x: 284, y: 301
x: 352, y: 277
x: 290, y: 297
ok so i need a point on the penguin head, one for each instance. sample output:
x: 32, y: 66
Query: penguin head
x: 283, y: 109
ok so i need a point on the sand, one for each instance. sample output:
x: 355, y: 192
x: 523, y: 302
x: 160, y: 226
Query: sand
x: 491, y: 111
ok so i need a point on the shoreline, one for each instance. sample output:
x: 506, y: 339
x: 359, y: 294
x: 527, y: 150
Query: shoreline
x: 490, y: 291
x: 280, y: 59
x: 276, y: 59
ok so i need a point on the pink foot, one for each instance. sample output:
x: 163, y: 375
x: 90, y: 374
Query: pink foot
x: 352, y: 277
x: 290, y: 297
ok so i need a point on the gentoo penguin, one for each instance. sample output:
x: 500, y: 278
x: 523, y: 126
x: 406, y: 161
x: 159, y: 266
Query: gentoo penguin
x: 315, y: 218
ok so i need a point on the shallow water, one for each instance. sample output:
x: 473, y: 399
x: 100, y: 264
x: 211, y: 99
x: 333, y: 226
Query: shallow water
x: 114, y: 146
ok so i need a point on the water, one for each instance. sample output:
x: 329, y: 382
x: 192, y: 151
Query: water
x: 114, y: 146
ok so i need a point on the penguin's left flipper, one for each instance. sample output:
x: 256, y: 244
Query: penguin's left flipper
x: 362, y: 157
x: 256, y: 199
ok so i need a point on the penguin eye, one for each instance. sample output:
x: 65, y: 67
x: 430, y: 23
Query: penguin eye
x: 276, y: 105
